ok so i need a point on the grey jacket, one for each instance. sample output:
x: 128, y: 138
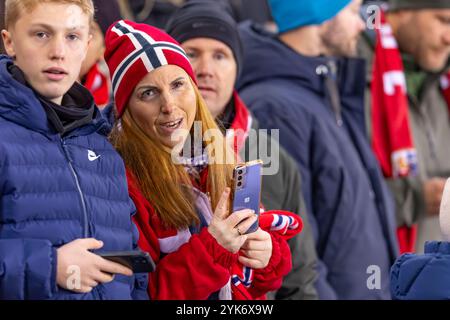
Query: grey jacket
x: 283, y: 191
x: 430, y: 124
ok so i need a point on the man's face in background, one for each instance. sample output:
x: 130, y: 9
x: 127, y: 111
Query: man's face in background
x: 425, y: 34
x: 216, y: 70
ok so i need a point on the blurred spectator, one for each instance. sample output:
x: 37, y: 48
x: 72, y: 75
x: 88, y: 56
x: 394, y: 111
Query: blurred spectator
x: 94, y: 74
x: 410, y: 131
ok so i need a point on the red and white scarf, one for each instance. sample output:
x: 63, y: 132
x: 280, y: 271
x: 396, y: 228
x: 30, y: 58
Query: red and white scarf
x: 391, y: 139
x: 241, y: 125
x: 391, y: 136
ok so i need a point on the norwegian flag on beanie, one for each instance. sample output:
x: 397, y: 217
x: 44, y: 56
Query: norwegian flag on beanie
x: 133, y: 50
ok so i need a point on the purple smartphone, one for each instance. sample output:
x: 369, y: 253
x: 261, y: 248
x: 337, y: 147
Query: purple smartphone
x: 246, y: 188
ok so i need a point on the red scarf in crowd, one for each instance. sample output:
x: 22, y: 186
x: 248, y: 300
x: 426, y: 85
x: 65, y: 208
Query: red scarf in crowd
x: 241, y: 125
x: 97, y: 83
x: 391, y: 136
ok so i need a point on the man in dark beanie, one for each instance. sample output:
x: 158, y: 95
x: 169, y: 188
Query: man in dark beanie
x: 212, y: 20
x: 407, y: 109
x: 209, y: 36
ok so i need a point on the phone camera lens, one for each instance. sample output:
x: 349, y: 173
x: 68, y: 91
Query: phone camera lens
x: 240, y: 172
x: 239, y: 178
x: 239, y: 184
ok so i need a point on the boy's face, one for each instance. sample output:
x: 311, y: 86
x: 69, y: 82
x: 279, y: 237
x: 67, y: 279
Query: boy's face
x: 49, y: 44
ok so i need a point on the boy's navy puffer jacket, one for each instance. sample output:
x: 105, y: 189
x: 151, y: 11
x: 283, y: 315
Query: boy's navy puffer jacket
x: 54, y: 190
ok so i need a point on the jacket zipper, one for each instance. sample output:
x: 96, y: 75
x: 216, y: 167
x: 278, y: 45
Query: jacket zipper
x: 80, y: 193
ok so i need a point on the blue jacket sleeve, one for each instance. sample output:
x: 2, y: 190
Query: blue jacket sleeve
x: 27, y: 269
x: 295, y: 138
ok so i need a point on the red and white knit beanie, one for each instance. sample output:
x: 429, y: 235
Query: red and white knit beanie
x: 135, y: 49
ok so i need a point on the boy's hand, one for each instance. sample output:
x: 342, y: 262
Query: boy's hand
x: 80, y: 271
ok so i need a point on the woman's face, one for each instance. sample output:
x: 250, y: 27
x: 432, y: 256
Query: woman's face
x: 163, y: 102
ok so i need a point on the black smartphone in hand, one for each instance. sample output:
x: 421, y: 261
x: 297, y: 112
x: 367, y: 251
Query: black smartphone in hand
x: 137, y: 261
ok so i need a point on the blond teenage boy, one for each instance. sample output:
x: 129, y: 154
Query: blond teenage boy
x: 63, y: 191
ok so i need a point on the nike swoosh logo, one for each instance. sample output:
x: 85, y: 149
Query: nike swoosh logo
x: 92, y: 156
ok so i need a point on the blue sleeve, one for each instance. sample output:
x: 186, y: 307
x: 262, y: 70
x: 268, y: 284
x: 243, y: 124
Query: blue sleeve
x: 296, y: 139
x: 27, y: 269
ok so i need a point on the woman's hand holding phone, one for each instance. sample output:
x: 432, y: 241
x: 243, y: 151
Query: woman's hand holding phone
x: 257, y: 250
x: 228, y: 229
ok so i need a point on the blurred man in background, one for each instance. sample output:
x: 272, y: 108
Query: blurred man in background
x: 407, y: 110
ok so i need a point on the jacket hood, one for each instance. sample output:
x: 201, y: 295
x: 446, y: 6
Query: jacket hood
x: 261, y: 46
x: 19, y: 104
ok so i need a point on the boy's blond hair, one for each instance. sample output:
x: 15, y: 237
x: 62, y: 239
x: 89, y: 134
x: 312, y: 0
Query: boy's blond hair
x: 14, y: 8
